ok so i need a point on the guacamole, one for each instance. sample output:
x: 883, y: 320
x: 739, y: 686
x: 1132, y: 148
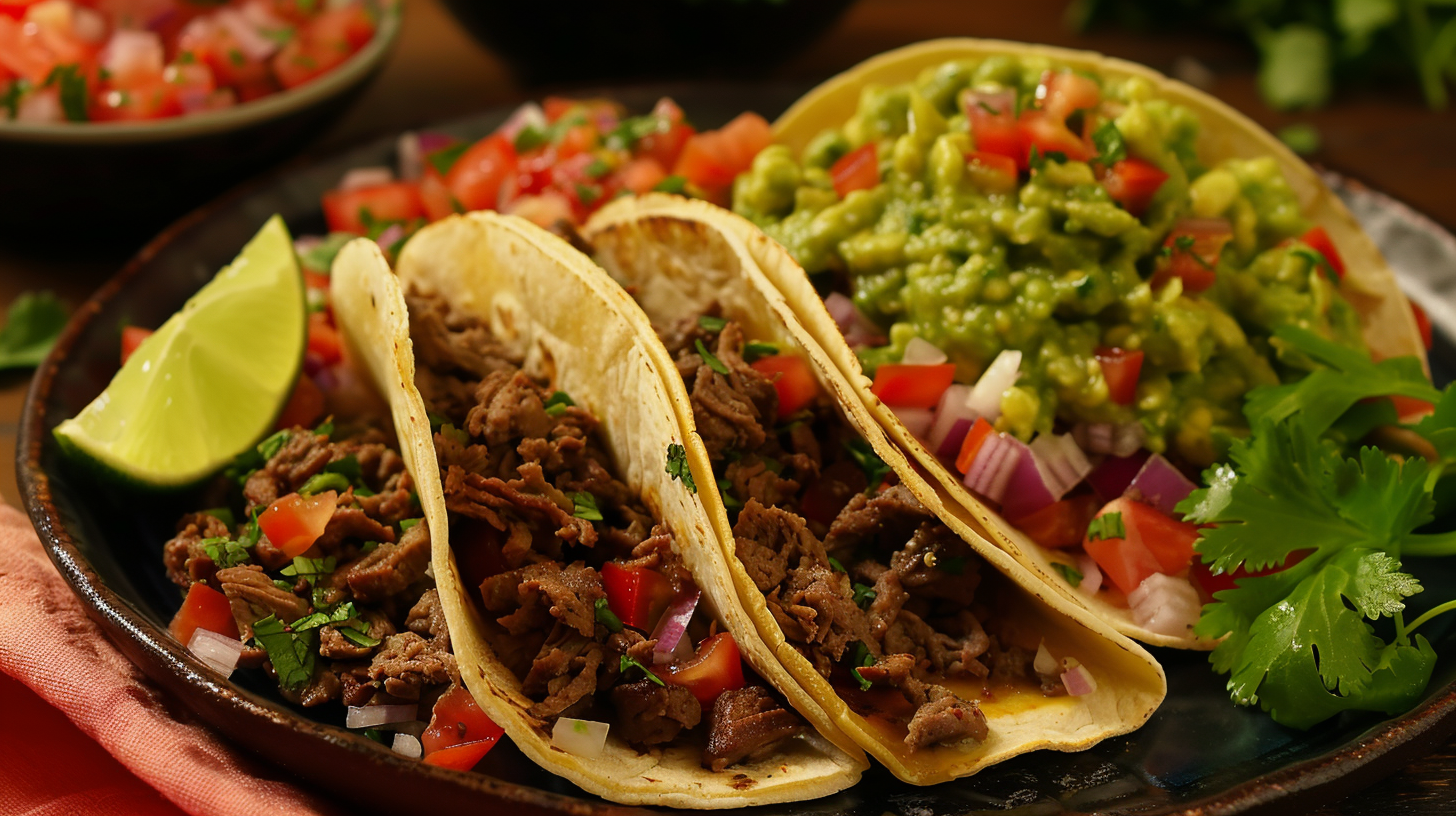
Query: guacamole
x: 1046, y: 260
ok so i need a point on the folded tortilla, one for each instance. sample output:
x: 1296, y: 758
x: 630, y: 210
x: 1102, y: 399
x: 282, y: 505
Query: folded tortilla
x: 679, y: 258
x: 1387, y: 321
x: 582, y: 333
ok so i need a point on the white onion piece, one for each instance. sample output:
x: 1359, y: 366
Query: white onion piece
x: 216, y: 650
x: 954, y: 405
x: 998, y: 378
x: 584, y: 738
x: 376, y: 715
x: 133, y: 54
x: 922, y: 352
x: 1062, y: 464
x: 40, y: 106
x: 1091, y: 575
x: 916, y: 420
x: 1078, y: 680
x: 1044, y: 663
x: 1165, y: 605
x: 525, y: 116
x: 1160, y: 484
x: 408, y: 745
x: 390, y: 236
x: 409, y: 156
x: 250, y: 41
x: 361, y: 177
x: 542, y: 210
x: 672, y: 625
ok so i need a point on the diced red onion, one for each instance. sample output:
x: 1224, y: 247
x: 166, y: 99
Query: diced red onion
x: 1091, y: 575
x: 1160, y: 484
x: 409, y: 159
x: 88, y: 24
x: 1077, y: 679
x: 1112, y: 475
x: 922, y: 352
x: 376, y: 715
x: 583, y: 738
x: 950, y: 447
x: 133, y: 53
x: 1026, y: 491
x: 523, y: 117
x: 163, y: 16
x: 1062, y: 463
x: 1165, y: 605
x: 857, y: 329
x: 995, y: 463
x: 430, y: 142
x: 362, y: 177
x: 216, y: 650
x: 1104, y: 437
x: 408, y: 745
x: 949, y: 413
x: 313, y: 362
x: 1044, y: 663
x: 672, y: 625
x: 997, y: 379
x: 250, y: 41
x: 390, y: 236
x: 916, y: 420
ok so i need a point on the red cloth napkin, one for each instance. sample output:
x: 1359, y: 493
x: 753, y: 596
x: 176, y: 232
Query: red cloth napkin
x: 49, y: 767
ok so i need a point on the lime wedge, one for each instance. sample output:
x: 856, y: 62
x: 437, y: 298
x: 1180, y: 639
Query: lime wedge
x: 207, y: 384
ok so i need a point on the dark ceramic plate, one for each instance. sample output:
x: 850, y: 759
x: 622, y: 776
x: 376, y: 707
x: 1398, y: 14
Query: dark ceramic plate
x: 1198, y: 753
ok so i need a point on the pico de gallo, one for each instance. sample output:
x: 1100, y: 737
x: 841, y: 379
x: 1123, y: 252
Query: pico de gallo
x: 553, y: 163
x: 137, y: 60
x: 1059, y: 300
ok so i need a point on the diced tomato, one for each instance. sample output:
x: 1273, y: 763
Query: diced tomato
x: 15, y: 8
x: 322, y: 45
x: 24, y: 55
x: 1062, y: 93
x: 665, y: 146
x: 194, y: 84
x: 971, y: 445
x: 992, y: 172
x: 902, y: 385
x: 858, y: 169
x: 293, y: 523
x: 641, y: 175
x: 792, y: 379
x: 636, y: 596
x: 717, y: 667
x: 475, y: 179
x: 1410, y: 409
x: 1202, y: 573
x: 1423, y: 324
x: 315, y: 280
x: 711, y: 160
x: 347, y: 27
x: 576, y: 140
x: 1320, y: 241
x: 1046, y: 134
x: 826, y: 496
x: 1133, y: 183
x: 1193, y: 249
x: 1120, y: 368
x: 204, y: 608
x: 1059, y: 524
x: 305, y: 405
x: 131, y: 338
x: 555, y: 107
x: 1153, y: 543
x: 323, y: 339
x: 993, y: 124
x: 460, y: 733
x: 435, y: 196
x: 154, y: 99
x: 395, y: 201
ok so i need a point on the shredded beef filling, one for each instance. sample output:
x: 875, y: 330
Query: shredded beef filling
x: 863, y: 580
x: 515, y: 460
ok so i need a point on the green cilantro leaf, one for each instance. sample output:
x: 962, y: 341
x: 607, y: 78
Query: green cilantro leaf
x: 444, y: 158
x: 1318, y: 261
x: 224, y: 552
x: 293, y: 654
x: 1107, y: 525
x: 725, y: 490
x: 1072, y: 574
x: 875, y: 469
x: 632, y: 663
x: 585, y: 505
x: 676, y: 185
x: 1108, y: 141
x: 864, y: 596
x: 529, y: 138
x: 754, y: 351
x: 557, y: 403
x: 835, y: 565
x: 320, y: 258
x: 31, y: 327
x: 310, y: 569
x: 72, y: 84
x: 677, y: 467
x: 709, y: 323
x: 710, y: 360
x: 606, y: 617
x: 14, y: 93
x: 320, y: 482
x: 859, y: 658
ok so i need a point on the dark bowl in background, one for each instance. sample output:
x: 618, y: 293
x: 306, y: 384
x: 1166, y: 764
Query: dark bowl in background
x: 589, y: 41
x: 97, y: 188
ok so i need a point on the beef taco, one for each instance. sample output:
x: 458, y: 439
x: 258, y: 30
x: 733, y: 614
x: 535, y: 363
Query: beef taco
x: 587, y: 601
x: 1053, y: 278
x: 929, y: 647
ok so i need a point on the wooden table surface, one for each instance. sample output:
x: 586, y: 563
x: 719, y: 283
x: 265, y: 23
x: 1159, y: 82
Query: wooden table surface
x: 1383, y: 136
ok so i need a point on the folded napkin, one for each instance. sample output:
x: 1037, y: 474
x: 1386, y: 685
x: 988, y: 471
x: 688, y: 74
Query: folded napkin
x: 48, y: 644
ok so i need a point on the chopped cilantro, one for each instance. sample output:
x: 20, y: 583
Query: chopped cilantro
x: 406, y: 524
x: 585, y: 506
x: 709, y: 323
x: 631, y: 130
x: 293, y: 655
x: 632, y: 663
x: 283, y: 585
x: 754, y: 351
x: 588, y: 194
x: 597, y: 169
x: 557, y: 403
x: 454, y: 434
x: 325, y: 429
x: 15, y: 92
x: 320, y: 482
x: 269, y: 447
x: 358, y: 637
x: 1108, y: 141
x: 72, y: 84
x: 224, y: 515
x: 310, y: 569
x: 677, y: 467
x: 186, y: 58
x: 368, y: 547
x: 864, y: 596
x: 444, y: 158
x: 31, y: 327
x: 224, y: 552
x: 236, y: 57
x: 725, y: 490
x: 1107, y: 525
x: 860, y: 657
x: 1038, y: 159
x: 1069, y: 572
x: 435, y: 420
x: 1317, y: 260
x: 606, y: 617
x: 672, y: 184
x: 320, y: 258
x: 347, y: 466
x: 529, y: 138
x: 251, y: 531
x: 875, y: 469
x: 835, y: 565
x: 708, y: 358
x: 281, y: 36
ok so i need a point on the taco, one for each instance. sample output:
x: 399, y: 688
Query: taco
x: 1053, y: 278
x: 929, y: 647
x: 582, y: 583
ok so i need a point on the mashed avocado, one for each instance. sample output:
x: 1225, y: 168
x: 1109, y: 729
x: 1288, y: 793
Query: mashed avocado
x: 1051, y: 264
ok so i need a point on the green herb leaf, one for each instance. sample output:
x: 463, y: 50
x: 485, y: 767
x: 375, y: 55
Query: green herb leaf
x: 606, y: 617
x: 755, y: 351
x: 406, y: 524
x: 864, y: 596
x: 556, y: 404
x: 597, y: 169
x: 320, y: 482
x: 1107, y: 525
x: 31, y: 327
x: 359, y: 637
x: 1318, y: 261
x: 709, y: 323
x: 529, y: 138
x: 725, y: 490
x: 677, y: 467
x: 632, y: 663
x: 444, y: 158
x: 224, y: 552
x: 293, y: 655
x: 310, y: 569
x: 320, y: 258
x: 588, y: 194
x: 1108, y: 141
x: 1072, y: 574
x: 73, y: 92
x: 14, y: 93
x: 835, y: 565
x: 585, y: 506
x: 676, y: 185
x: 859, y: 658
x: 875, y: 469
x: 1297, y: 66
x: 1302, y: 139
x: 710, y: 360
x: 224, y: 515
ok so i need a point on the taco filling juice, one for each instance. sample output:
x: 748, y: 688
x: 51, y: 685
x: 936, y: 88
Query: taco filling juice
x: 886, y: 603
x: 1059, y: 300
x: 585, y: 600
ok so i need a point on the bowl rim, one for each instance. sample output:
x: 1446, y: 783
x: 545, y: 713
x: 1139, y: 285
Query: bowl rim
x: 272, y: 106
